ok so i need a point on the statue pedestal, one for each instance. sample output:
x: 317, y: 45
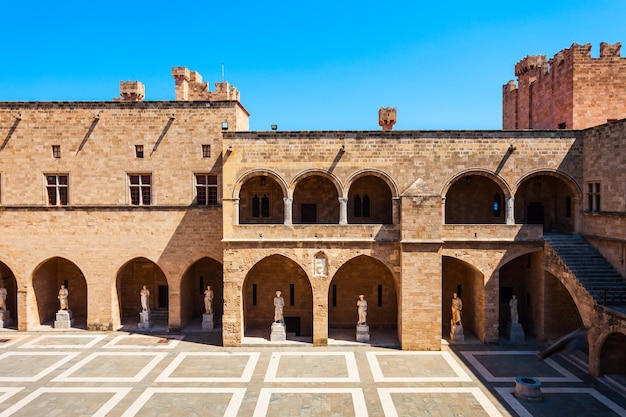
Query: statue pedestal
x: 207, y: 322
x: 362, y: 332
x: 64, y: 319
x: 144, y: 320
x: 456, y: 333
x: 515, y: 332
x: 278, y: 333
x: 5, y: 318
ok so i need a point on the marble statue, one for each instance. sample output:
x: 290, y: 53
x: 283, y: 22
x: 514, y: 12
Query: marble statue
x: 145, y: 296
x: 279, y: 303
x: 361, y: 306
x: 513, y: 307
x: 63, y: 298
x: 457, y: 306
x: 208, y: 300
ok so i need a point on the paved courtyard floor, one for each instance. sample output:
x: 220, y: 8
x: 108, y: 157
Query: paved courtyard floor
x: 127, y: 374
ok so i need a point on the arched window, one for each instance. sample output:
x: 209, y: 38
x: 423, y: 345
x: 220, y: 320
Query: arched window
x: 358, y: 209
x: 265, y: 206
x: 366, y: 206
x: 497, y: 205
x: 256, y: 206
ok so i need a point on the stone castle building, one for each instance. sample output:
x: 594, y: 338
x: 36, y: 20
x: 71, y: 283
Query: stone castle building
x: 105, y: 197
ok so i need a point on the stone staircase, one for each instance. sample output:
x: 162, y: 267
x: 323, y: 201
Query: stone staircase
x: 605, y: 285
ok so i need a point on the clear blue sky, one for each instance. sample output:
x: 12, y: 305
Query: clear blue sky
x: 317, y: 65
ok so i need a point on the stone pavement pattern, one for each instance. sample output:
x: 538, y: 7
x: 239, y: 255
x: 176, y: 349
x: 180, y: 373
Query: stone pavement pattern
x: 123, y: 374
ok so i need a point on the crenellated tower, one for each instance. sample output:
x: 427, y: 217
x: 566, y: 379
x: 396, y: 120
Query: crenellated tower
x: 572, y: 90
x: 190, y: 87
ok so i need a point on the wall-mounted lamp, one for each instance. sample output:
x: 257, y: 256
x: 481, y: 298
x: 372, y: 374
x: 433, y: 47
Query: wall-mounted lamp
x: 18, y: 116
x: 274, y: 127
x: 512, y: 148
x: 97, y: 115
x: 224, y: 125
x: 230, y: 148
x: 173, y: 115
x: 342, y: 149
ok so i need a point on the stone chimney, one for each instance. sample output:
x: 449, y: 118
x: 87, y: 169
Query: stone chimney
x: 131, y: 91
x: 387, y: 117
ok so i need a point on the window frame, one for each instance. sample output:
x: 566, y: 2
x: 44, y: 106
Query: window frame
x: 208, y: 202
x: 141, y: 188
x: 60, y: 199
x: 594, y: 196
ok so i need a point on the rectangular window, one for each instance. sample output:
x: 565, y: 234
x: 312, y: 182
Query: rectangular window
x: 56, y: 151
x: 593, y: 191
x: 57, y: 188
x: 206, y: 189
x: 140, y: 189
x: 139, y: 151
x: 206, y: 151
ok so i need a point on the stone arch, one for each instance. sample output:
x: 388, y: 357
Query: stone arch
x: 316, y: 197
x: 47, y: 278
x: 612, y: 356
x: 580, y: 298
x: 265, y: 277
x: 202, y: 273
x: 391, y: 183
x: 467, y: 281
x: 260, y: 172
x: 9, y: 283
x: 365, y: 275
x: 370, y: 196
x: 548, y: 197
x: 475, y: 196
x: 130, y: 278
x: 261, y: 194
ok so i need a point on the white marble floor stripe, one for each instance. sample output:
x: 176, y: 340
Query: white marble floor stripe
x: 245, y: 376
x: 507, y: 394
x: 66, y: 376
x: 33, y: 344
x: 351, y: 367
x: 118, y: 394
x: 377, y: 371
x: 11, y: 339
x: 172, y: 341
x: 489, y: 377
x: 358, y: 399
x: 236, y: 397
x: 8, y: 392
x: 390, y: 409
x: 65, y: 357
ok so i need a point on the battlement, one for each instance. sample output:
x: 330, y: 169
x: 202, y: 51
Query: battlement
x: 131, y: 91
x: 387, y: 117
x: 530, y: 64
x: 190, y: 87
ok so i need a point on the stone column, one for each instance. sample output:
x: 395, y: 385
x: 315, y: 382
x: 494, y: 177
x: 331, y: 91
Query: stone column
x: 343, y: 210
x: 288, y: 216
x: 232, y: 318
x: 577, y: 212
x: 395, y: 210
x: 443, y: 210
x: 235, y: 210
x: 419, y: 310
x: 320, y: 316
x: 510, y: 210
